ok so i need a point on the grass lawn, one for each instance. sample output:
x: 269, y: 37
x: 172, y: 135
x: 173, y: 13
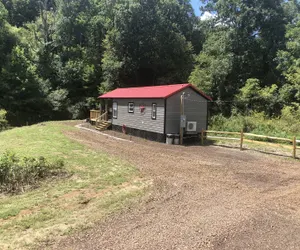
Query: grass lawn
x: 98, y: 186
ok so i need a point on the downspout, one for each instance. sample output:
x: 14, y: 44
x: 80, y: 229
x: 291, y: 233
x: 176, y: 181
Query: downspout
x: 165, y: 116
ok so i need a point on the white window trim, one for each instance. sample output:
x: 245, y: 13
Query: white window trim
x: 115, y: 110
x: 154, y: 107
x: 131, y: 107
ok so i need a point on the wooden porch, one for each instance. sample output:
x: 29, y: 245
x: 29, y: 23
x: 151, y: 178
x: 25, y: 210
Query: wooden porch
x: 100, y: 121
x: 94, y: 115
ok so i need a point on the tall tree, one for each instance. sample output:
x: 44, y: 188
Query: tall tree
x: 254, y: 32
x: 146, y: 43
x: 21, y: 11
x: 289, y: 63
x: 7, y: 39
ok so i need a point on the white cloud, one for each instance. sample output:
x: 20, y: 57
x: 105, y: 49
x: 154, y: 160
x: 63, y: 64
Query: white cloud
x: 207, y: 15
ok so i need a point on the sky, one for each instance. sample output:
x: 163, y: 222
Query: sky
x: 206, y: 15
x: 196, y: 5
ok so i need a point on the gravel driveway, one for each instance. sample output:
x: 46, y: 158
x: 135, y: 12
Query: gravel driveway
x: 202, y: 198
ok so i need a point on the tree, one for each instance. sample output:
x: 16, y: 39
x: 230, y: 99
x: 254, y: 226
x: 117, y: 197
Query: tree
x: 59, y: 47
x: 289, y: 63
x: 7, y: 39
x: 241, y: 43
x: 57, y: 54
x: 214, y: 64
x: 3, y: 121
x: 23, y: 97
x: 254, y: 98
x: 21, y: 11
x: 145, y: 43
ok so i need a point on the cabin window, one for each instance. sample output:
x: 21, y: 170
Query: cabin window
x: 154, y: 111
x: 130, y: 107
x: 115, y: 110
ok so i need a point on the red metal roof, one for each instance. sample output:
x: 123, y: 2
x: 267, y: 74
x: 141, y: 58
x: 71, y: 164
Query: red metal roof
x: 158, y: 92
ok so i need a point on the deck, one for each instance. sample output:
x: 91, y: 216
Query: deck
x: 100, y: 121
x: 94, y: 115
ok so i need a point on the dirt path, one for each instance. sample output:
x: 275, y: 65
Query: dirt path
x: 203, y: 198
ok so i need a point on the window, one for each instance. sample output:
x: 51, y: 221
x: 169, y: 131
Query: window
x: 130, y: 107
x: 154, y: 110
x: 115, y: 110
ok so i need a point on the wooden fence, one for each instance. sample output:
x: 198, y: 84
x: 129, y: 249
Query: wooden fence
x: 242, y: 137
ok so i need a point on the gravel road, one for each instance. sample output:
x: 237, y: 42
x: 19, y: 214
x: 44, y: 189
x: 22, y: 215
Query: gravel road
x: 202, y: 198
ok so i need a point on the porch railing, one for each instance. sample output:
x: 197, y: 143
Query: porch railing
x: 94, y: 115
x: 103, y: 117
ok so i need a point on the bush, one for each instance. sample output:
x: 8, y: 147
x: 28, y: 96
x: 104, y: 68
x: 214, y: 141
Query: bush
x: 3, y: 121
x: 287, y: 125
x: 17, y: 174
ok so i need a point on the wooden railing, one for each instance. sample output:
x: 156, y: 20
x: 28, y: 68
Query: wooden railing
x: 94, y: 115
x: 242, y: 137
x: 103, y: 117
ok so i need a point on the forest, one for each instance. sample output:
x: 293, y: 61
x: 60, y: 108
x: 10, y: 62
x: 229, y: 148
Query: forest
x: 57, y: 56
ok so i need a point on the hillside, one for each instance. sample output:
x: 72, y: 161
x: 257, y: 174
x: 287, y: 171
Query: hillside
x: 98, y: 185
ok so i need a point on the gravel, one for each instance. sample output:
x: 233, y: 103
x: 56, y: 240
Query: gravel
x: 202, y: 198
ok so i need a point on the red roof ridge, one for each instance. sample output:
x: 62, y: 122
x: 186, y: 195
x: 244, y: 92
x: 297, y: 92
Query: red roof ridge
x: 155, y: 92
x: 156, y: 86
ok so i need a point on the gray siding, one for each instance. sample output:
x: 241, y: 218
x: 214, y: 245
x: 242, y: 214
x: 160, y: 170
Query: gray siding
x: 195, y: 109
x: 140, y: 121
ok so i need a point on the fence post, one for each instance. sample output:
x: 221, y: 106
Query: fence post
x: 242, y: 139
x: 202, y: 137
x: 294, y: 147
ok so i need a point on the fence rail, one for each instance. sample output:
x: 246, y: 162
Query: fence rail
x: 222, y: 132
x: 244, y: 137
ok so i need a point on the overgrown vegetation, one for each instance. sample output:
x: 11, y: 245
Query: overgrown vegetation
x: 99, y: 185
x: 18, y: 174
x: 286, y: 126
x: 3, y: 121
x: 56, y: 55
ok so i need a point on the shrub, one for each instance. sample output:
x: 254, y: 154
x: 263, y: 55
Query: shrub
x: 287, y: 125
x: 3, y: 121
x: 17, y: 174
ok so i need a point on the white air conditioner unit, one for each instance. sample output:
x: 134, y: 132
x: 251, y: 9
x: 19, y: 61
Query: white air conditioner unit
x: 191, y: 127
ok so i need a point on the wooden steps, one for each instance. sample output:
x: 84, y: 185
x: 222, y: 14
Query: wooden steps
x: 103, y: 125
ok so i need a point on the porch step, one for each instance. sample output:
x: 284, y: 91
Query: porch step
x: 103, y: 125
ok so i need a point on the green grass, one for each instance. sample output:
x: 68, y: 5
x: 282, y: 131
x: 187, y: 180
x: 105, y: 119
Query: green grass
x: 98, y: 186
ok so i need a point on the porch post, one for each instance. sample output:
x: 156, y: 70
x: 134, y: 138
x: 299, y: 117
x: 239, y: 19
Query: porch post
x: 106, y: 110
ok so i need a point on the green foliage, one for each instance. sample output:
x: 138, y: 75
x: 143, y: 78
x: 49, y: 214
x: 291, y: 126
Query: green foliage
x: 21, y: 11
x: 252, y: 97
x: 286, y: 125
x: 7, y: 40
x: 289, y: 64
x: 290, y: 118
x: 214, y: 64
x: 3, y: 121
x: 16, y: 173
x: 57, y: 55
x: 241, y: 43
x: 3, y: 13
x: 139, y: 47
x: 24, y: 99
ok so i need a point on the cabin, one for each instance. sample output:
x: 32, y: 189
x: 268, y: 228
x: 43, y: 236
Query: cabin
x: 154, y: 112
